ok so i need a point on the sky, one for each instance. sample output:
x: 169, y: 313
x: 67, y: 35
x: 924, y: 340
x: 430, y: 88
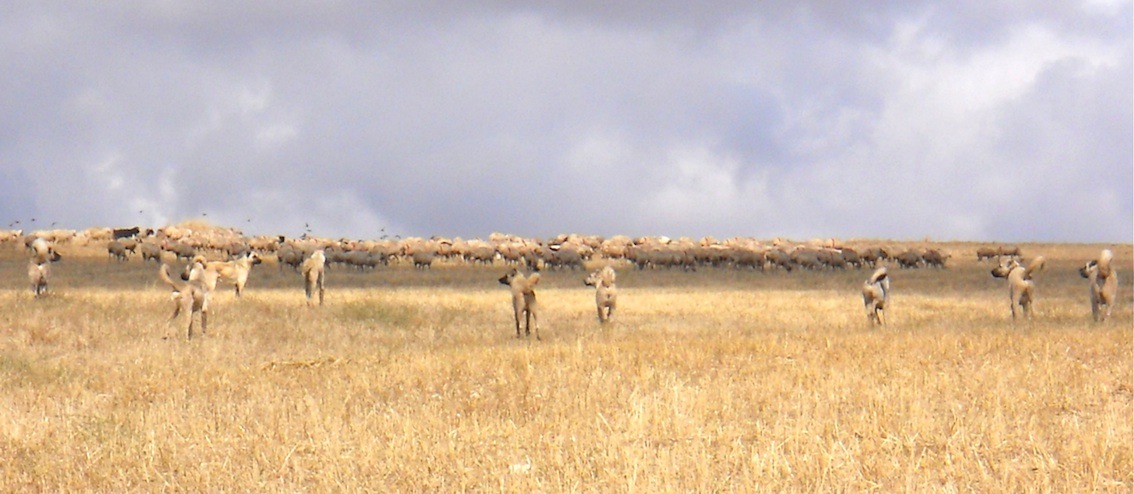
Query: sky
x: 966, y: 120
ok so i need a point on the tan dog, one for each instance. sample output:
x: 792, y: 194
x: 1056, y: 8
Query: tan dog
x: 606, y: 294
x: 39, y: 267
x: 191, y: 297
x: 1020, y: 284
x: 1104, y: 285
x: 875, y: 295
x: 314, y: 273
x: 38, y: 275
x: 235, y: 271
x: 523, y: 299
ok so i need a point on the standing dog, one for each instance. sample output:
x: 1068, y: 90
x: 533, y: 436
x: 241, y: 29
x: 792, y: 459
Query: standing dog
x: 234, y: 271
x: 39, y: 267
x: 1104, y: 284
x: 314, y: 272
x: 1020, y: 284
x: 875, y: 294
x: 523, y: 299
x: 606, y: 294
x: 191, y: 297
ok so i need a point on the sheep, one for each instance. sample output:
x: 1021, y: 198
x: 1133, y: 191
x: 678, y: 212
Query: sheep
x: 10, y: 235
x: 1104, y: 285
x: 778, y: 258
x: 874, y: 254
x: 180, y: 249
x: 909, y: 259
x: 718, y: 255
x: 481, y: 254
x: 875, y: 295
x: 606, y: 294
x: 806, y: 258
x: 359, y: 259
x: 986, y: 253
x: 746, y: 258
x: 117, y: 250
x: 1020, y: 284
x: 236, y: 249
x: 423, y: 259
x: 851, y: 257
x: 831, y: 258
x: 289, y: 255
x: 150, y: 250
x: 264, y: 244
x: 934, y: 257
x: 564, y: 257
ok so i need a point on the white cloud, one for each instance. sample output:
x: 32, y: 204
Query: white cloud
x: 676, y: 118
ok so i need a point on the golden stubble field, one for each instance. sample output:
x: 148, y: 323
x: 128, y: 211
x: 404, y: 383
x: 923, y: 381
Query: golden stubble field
x: 716, y: 380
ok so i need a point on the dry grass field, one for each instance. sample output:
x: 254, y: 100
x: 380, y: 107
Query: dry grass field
x: 707, y: 381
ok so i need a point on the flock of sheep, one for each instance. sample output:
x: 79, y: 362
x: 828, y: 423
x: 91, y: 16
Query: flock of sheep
x: 312, y: 257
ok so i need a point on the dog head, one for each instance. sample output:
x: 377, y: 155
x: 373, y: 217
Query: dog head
x: 519, y: 282
x: 592, y: 279
x: 195, y: 271
x: 187, y: 273
x: 1006, y: 266
x: 601, y: 277
x: 510, y: 276
x: 254, y: 258
x: 1089, y: 270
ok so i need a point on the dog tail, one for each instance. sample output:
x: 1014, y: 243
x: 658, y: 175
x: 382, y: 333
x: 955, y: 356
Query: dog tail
x: 176, y: 285
x: 879, y: 275
x: 533, y: 280
x: 608, y: 276
x: 1105, y: 257
x: 1034, y: 267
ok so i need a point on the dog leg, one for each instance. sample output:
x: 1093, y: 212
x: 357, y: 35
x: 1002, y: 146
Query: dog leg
x: 187, y: 307
x: 534, y: 320
x: 321, y: 288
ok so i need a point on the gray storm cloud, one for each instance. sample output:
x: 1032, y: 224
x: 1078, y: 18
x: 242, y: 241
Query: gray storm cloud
x: 961, y: 121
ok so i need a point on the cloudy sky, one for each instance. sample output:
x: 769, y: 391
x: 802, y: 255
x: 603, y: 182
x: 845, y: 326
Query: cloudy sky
x: 971, y: 120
